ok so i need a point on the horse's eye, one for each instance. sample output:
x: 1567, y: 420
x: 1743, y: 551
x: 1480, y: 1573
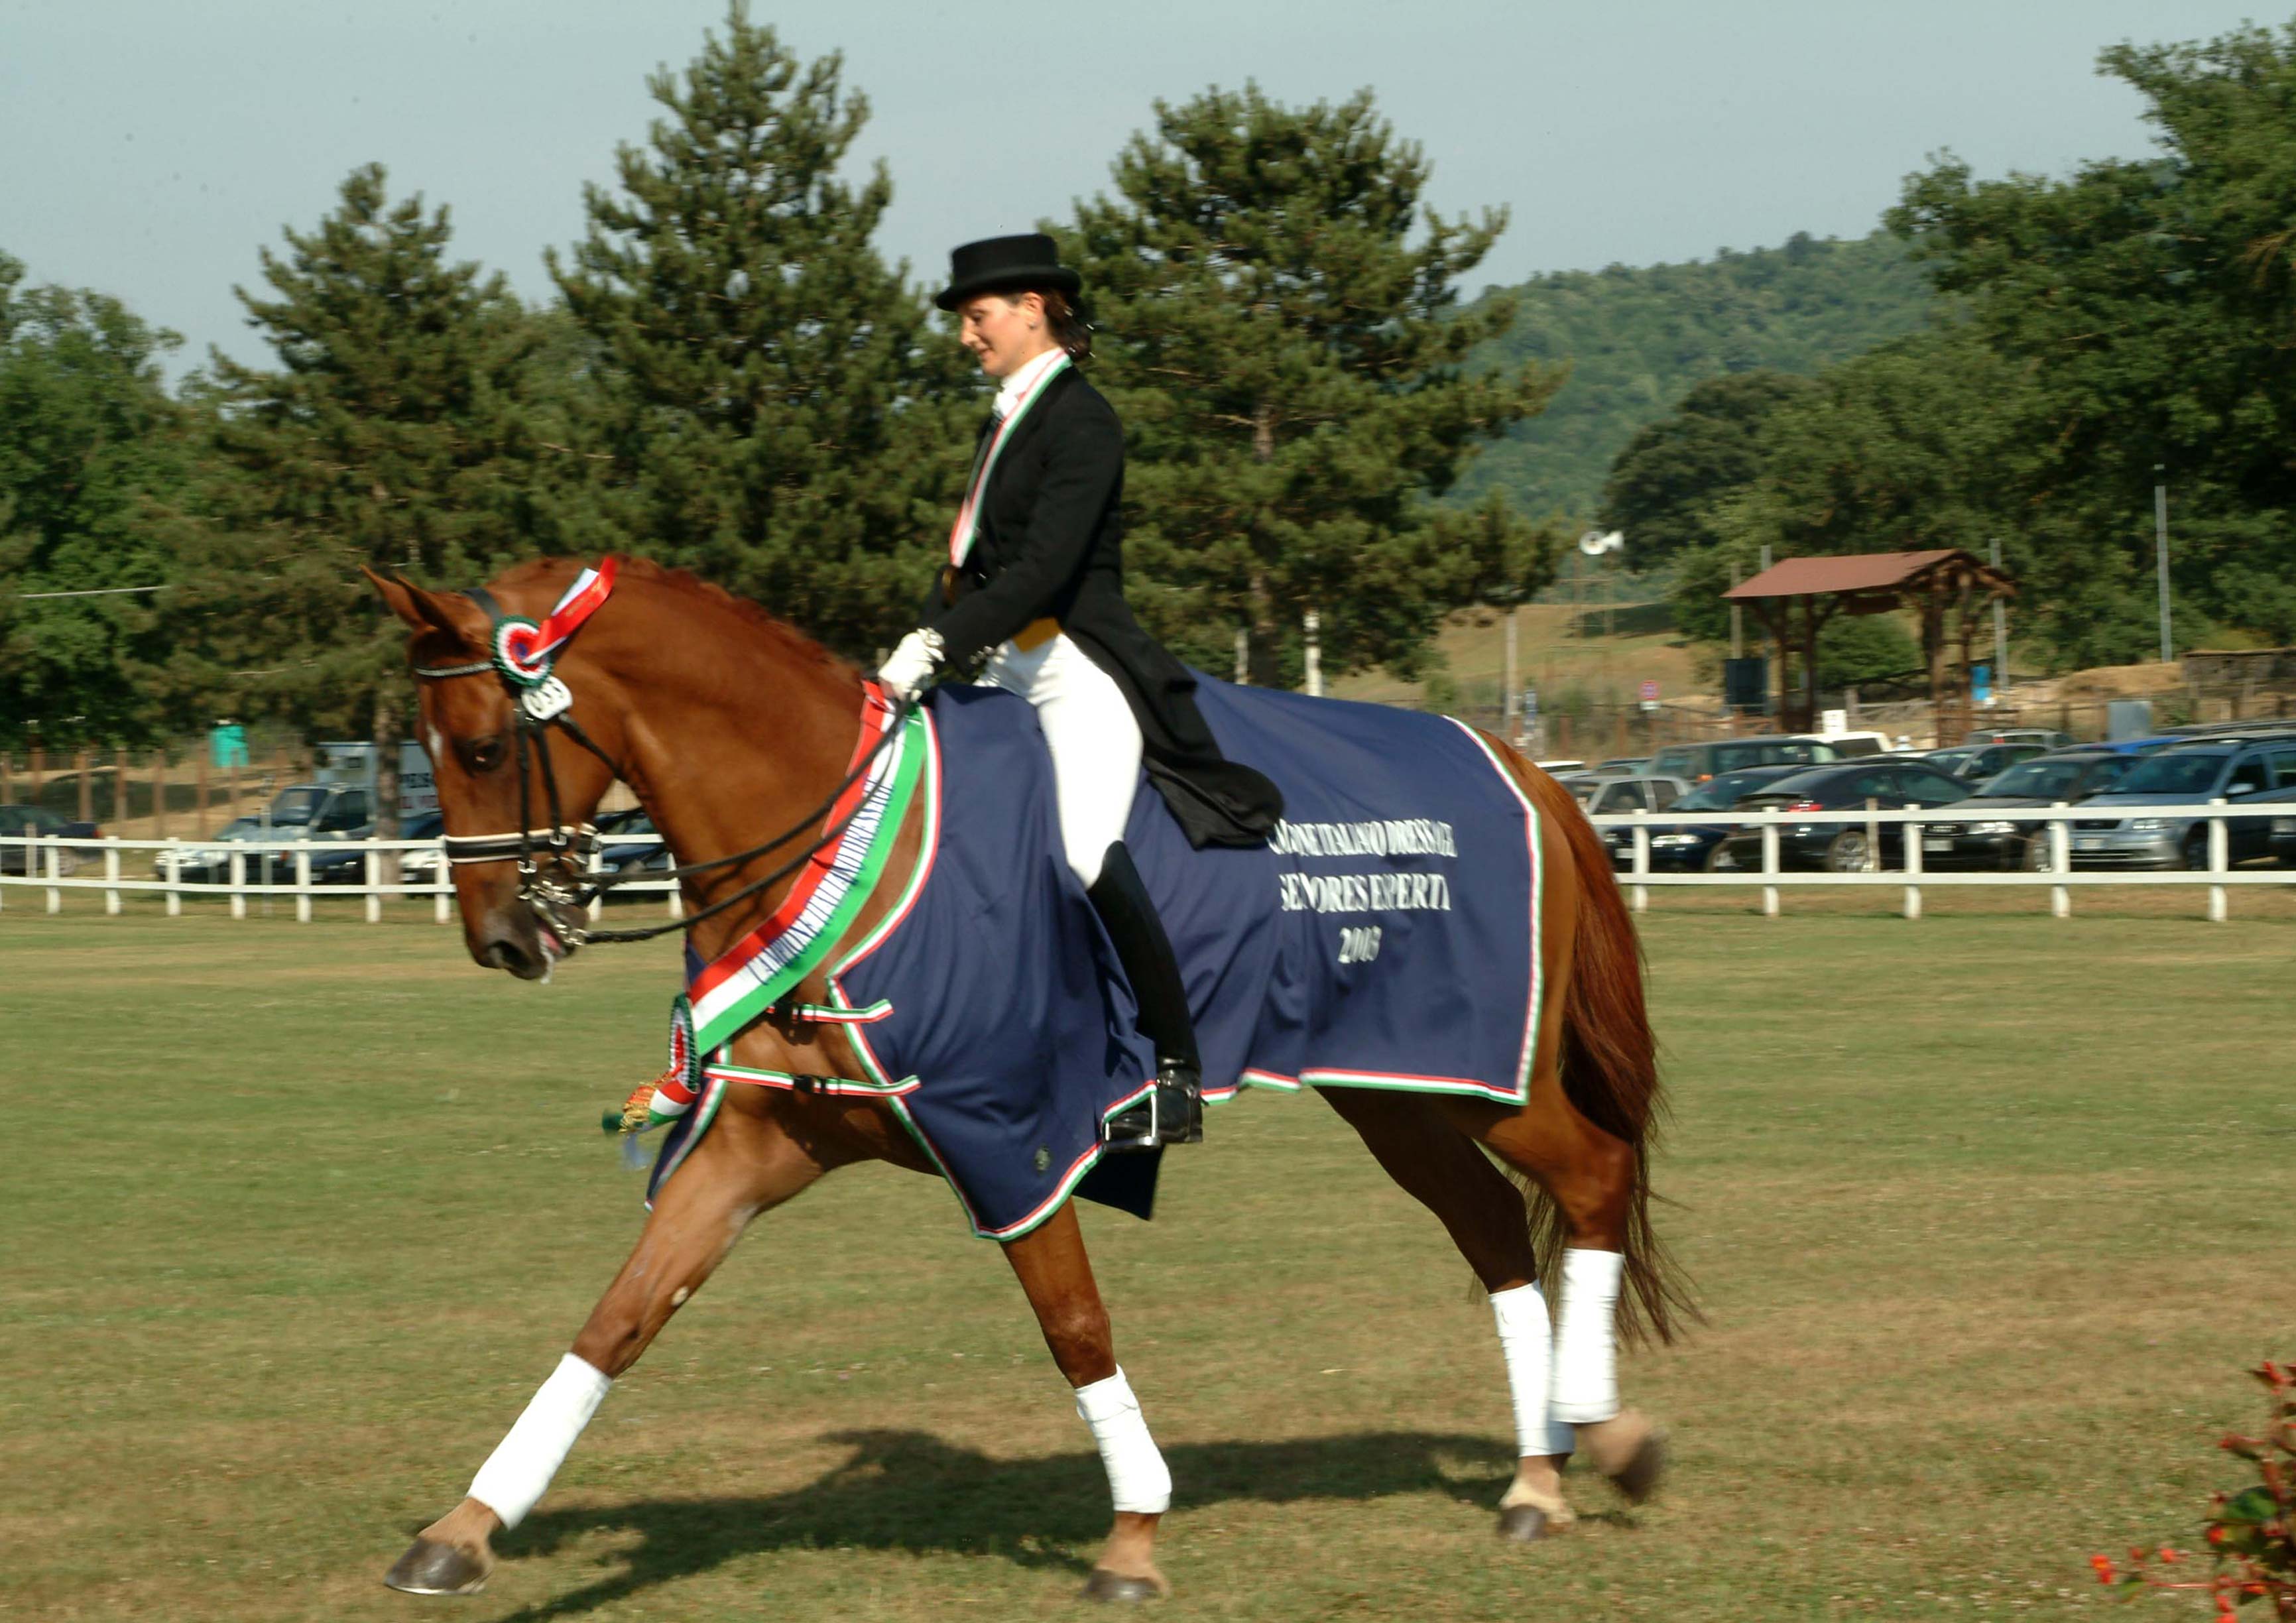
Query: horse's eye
x: 481, y: 754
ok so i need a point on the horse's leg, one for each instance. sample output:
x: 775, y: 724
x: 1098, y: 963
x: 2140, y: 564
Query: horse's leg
x: 750, y: 1161
x: 1592, y: 1177
x: 1441, y: 1168
x: 1056, y: 1274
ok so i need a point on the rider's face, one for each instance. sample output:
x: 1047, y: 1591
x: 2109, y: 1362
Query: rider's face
x: 1002, y: 330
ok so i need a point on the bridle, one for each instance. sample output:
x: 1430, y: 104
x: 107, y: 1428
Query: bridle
x: 554, y: 877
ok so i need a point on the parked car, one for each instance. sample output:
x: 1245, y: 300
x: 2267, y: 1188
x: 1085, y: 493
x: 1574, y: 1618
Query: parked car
x: 305, y: 811
x: 349, y: 867
x: 1625, y: 764
x: 1975, y: 762
x: 1696, y: 763
x: 1893, y: 783
x: 1632, y: 794
x: 38, y: 820
x: 2115, y: 833
x: 2048, y: 738
x: 1849, y: 745
x: 1676, y: 848
x: 629, y: 856
x: 2064, y: 775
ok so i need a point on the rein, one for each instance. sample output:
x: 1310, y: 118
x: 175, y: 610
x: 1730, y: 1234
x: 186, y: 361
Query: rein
x: 523, y: 658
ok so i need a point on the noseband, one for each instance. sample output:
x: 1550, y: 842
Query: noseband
x: 554, y: 877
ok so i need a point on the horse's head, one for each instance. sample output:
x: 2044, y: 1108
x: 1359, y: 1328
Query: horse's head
x: 504, y: 789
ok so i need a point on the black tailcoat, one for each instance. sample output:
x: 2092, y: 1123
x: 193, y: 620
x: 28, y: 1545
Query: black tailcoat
x: 1049, y: 542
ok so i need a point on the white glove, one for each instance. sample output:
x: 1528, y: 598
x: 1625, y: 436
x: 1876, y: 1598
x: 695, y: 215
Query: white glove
x: 912, y: 664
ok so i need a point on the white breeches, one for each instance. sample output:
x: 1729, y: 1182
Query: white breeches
x: 1094, y: 741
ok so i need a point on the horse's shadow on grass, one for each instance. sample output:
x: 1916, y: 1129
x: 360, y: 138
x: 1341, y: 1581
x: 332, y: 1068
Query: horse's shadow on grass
x: 910, y: 1491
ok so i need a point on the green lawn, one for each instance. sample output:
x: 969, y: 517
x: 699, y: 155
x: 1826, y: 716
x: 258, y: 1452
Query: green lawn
x: 1987, y: 1212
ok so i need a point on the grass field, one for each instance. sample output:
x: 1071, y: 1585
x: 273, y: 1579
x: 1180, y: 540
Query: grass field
x: 1987, y: 1213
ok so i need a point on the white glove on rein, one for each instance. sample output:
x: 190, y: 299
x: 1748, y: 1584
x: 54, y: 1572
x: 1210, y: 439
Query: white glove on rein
x: 910, y: 666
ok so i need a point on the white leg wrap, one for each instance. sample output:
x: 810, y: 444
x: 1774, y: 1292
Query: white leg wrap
x: 1586, y: 1347
x: 1137, y: 1480
x: 1528, y: 1342
x: 522, y: 1464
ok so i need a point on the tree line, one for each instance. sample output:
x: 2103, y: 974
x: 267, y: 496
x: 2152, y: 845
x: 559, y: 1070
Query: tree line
x: 2090, y: 338
x: 732, y: 378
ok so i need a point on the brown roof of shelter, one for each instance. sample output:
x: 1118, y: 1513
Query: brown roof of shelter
x: 1857, y: 572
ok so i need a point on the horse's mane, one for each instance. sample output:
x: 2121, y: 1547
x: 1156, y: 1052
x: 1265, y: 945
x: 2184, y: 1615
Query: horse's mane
x: 788, y: 639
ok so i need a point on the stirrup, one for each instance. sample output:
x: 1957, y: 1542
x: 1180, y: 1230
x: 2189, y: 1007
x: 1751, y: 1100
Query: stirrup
x: 1172, y: 1112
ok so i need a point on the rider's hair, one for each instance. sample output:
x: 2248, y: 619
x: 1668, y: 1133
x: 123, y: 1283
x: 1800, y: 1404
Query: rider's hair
x: 1066, y: 322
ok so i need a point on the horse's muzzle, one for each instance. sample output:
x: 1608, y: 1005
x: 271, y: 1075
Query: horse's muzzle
x: 518, y: 938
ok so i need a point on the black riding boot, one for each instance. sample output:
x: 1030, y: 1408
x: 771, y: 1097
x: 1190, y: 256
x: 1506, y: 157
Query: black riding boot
x: 1174, y: 1112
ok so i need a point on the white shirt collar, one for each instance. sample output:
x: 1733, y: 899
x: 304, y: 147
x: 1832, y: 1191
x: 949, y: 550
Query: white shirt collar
x: 1016, y: 384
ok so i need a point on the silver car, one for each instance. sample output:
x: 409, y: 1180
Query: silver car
x: 2113, y: 829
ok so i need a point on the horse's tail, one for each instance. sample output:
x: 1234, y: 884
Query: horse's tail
x: 1610, y: 1070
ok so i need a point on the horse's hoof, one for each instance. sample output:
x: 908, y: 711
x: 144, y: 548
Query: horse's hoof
x: 429, y: 1567
x: 1522, y: 1523
x: 1106, y: 1585
x: 1638, y: 1478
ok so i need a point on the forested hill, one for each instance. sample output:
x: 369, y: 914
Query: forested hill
x: 1638, y: 339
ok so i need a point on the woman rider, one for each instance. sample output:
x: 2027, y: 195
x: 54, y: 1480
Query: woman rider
x: 1036, y: 581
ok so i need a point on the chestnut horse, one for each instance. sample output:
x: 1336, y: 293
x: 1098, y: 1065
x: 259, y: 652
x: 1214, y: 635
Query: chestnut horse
x: 731, y: 728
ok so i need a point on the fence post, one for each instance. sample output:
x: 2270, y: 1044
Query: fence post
x: 1872, y: 837
x: 175, y: 880
x: 1913, y: 841
x: 374, y: 886
x: 2061, y: 861
x: 1642, y: 859
x: 1769, y: 863
x: 596, y: 865
x: 302, y: 881
x: 55, y: 871
x: 446, y: 883
x: 111, y: 874
x: 2219, y: 860
x: 238, y: 875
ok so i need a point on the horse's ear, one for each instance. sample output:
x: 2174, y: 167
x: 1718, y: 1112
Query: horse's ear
x: 454, y: 615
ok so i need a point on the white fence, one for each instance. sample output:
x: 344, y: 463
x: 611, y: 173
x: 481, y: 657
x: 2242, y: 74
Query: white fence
x: 242, y: 872
x: 2061, y: 877
x: 58, y: 865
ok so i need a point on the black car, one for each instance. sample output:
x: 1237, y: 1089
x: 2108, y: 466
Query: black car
x: 2066, y: 774
x: 1976, y: 763
x: 1676, y: 848
x: 17, y: 821
x: 1890, y: 783
x: 349, y: 867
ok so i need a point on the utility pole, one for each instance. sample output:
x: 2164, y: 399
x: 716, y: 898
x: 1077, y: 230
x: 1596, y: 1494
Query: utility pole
x: 2161, y: 554
x: 1737, y: 620
x: 1242, y: 655
x: 1510, y: 697
x: 1314, y: 625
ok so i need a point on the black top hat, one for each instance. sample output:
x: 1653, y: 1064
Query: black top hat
x: 999, y: 264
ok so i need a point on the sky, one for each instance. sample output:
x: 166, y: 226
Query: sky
x: 148, y: 148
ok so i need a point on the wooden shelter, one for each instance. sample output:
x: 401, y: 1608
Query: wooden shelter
x: 1950, y: 589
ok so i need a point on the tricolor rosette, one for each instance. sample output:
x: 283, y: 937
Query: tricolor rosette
x: 681, y: 1083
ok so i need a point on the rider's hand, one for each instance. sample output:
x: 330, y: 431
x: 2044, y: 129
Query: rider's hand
x: 910, y: 666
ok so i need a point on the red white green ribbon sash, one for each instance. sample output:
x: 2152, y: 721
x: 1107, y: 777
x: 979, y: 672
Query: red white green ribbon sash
x: 967, y: 527
x: 769, y: 963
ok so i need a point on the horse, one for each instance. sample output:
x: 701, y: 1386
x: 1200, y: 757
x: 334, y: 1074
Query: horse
x: 664, y: 688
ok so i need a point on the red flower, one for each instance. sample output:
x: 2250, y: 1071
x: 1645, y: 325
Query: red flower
x: 2104, y: 1565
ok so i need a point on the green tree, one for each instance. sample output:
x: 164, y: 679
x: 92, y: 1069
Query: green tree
x: 1667, y: 479
x: 768, y: 390
x: 1638, y: 339
x: 2150, y: 300
x: 90, y: 450
x: 1289, y: 364
x: 391, y: 432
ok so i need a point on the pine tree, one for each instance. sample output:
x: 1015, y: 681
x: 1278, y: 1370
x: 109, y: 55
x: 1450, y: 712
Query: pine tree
x: 390, y: 432
x: 1291, y: 369
x: 766, y: 385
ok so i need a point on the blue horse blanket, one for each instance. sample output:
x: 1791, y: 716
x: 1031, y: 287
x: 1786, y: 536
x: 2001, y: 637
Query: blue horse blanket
x: 1384, y: 936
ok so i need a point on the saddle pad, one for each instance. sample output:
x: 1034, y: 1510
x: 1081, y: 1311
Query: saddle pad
x: 1383, y: 937
x: 1386, y: 935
